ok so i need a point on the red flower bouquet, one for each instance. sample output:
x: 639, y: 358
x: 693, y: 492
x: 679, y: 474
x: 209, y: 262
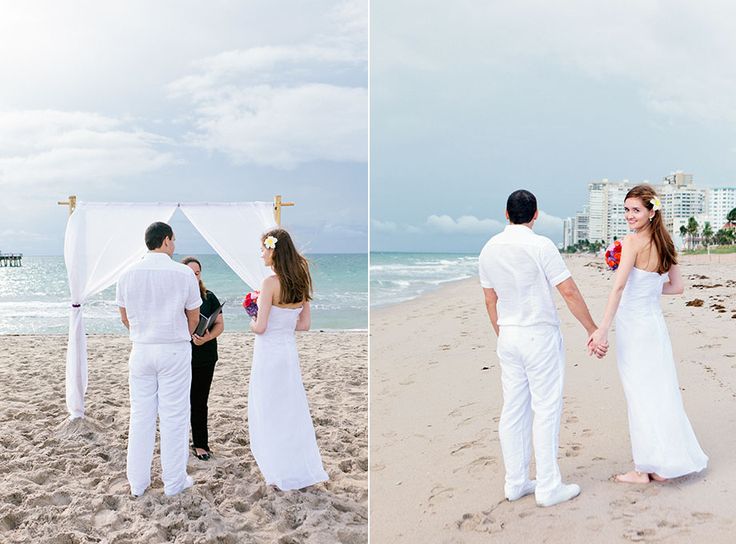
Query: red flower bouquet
x: 250, y: 303
x: 613, y: 255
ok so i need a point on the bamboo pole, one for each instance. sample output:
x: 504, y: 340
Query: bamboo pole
x: 72, y: 203
x: 277, y: 205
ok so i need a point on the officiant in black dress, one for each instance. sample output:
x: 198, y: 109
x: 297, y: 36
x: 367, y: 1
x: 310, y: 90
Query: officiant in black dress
x: 204, y: 357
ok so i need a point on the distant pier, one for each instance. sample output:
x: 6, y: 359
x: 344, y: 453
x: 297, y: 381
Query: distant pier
x: 11, y: 259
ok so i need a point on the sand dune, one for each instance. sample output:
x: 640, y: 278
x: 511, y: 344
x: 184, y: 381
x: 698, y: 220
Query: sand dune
x: 64, y: 482
x: 436, y: 466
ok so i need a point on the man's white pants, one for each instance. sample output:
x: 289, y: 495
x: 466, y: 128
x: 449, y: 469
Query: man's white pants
x: 160, y: 377
x: 532, y: 374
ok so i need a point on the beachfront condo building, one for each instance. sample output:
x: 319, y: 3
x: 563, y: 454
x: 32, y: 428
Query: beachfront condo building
x: 602, y: 218
x: 720, y: 201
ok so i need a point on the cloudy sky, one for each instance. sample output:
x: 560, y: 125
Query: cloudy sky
x: 184, y: 101
x: 471, y: 103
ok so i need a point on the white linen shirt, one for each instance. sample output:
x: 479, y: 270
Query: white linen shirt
x: 155, y: 292
x: 522, y: 267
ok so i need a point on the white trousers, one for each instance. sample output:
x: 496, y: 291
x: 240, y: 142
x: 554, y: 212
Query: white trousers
x: 532, y: 375
x: 160, y: 377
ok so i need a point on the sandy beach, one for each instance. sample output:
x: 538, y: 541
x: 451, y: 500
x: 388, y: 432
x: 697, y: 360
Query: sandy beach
x: 436, y: 466
x: 64, y: 482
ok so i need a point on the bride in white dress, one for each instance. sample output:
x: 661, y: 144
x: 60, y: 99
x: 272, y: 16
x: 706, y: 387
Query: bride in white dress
x: 662, y: 440
x: 282, y: 436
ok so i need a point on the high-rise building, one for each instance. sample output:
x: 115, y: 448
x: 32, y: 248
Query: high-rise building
x: 719, y: 201
x: 680, y: 202
x: 602, y: 219
x: 597, y: 210
x: 568, y: 225
x: 678, y: 179
x: 606, y: 210
x: 580, y: 228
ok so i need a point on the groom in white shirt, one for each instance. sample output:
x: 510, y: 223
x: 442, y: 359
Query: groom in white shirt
x: 518, y: 269
x: 159, y: 303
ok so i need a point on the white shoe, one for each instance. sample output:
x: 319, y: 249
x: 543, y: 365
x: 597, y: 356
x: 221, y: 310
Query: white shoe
x: 563, y: 493
x: 526, y: 489
x: 188, y: 482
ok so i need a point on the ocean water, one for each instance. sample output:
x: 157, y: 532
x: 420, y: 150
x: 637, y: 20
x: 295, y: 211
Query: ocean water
x: 34, y: 298
x: 397, y: 277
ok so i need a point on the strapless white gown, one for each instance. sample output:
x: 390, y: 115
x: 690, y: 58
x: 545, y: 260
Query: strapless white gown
x: 282, y: 436
x: 662, y: 439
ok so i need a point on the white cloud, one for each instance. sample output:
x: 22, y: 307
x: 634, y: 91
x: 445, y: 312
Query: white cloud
x: 38, y: 147
x: 549, y: 225
x: 283, y: 126
x: 383, y: 226
x: 465, y: 224
x: 678, y: 56
x: 284, y: 105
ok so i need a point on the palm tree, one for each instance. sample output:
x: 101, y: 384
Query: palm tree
x: 731, y: 217
x: 692, y: 230
x: 683, y: 232
x: 724, y: 237
x: 707, y: 233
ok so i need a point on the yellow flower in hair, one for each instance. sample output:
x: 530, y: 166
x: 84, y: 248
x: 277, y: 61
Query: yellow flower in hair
x: 656, y: 204
x: 270, y: 242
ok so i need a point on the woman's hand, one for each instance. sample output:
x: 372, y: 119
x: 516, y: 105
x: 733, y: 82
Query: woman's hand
x: 598, y: 343
x: 253, y: 325
x: 199, y: 340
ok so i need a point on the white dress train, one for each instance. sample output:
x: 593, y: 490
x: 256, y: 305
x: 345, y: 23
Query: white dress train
x: 281, y: 432
x: 662, y: 439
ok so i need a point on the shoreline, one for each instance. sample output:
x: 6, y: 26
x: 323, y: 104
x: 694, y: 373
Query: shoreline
x: 714, y: 258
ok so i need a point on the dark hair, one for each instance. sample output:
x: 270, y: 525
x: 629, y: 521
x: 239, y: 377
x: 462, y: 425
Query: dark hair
x: 521, y: 206
x: 660, y: 237
x: 202, y: 288
x: 291, y: 268
x: 155, y: 234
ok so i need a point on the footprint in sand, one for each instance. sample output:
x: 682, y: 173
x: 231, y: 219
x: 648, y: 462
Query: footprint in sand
x: 465, y: 445
x: 482, y: 522
x: 440, y: 493
x: 572, y: 449
x: 479, y: 465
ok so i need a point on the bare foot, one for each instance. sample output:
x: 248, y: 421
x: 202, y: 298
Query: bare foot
x: 657, y: 478
x: 201, y: 454
x: 632, y: 477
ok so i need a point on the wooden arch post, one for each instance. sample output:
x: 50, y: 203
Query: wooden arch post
x: 72, y: 203
x: 277, y: 205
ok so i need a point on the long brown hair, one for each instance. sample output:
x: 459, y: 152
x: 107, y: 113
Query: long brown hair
x: 291, y: 268
x: 660, y: 237
x: 202, y: 288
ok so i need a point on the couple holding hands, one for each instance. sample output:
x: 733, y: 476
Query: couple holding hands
x: 171, y: 368
x: 518, y: 268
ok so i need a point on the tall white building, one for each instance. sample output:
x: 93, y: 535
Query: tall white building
x: 603, y: 216
x: 568, y: 225
x: 580, y: 228
x: 719, y: 201
x: 597, y: 210
x: 681, y: 200
x: 606, y: 210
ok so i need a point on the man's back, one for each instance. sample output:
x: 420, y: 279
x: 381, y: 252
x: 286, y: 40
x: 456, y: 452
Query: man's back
x: 521, y: 267
x: 155, y: 293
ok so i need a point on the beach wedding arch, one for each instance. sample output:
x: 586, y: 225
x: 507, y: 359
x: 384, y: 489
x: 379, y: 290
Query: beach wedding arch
x: 104, y: 238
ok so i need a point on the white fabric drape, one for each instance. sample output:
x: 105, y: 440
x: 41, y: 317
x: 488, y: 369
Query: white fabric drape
x: 234, y: 232
x: 101, y: 241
